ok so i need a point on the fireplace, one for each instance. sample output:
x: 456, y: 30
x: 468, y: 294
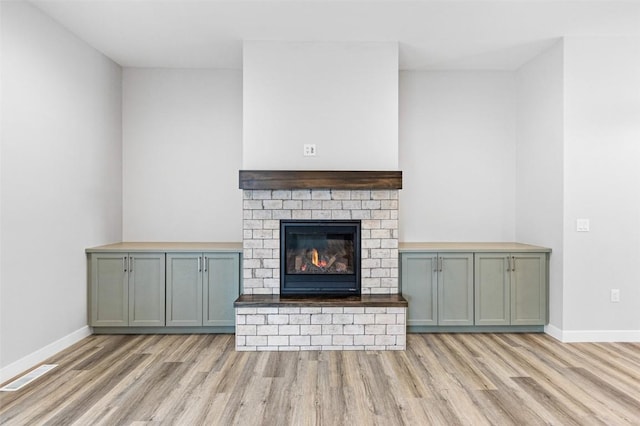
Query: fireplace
x: 351, y: 216
x: 320, y: 257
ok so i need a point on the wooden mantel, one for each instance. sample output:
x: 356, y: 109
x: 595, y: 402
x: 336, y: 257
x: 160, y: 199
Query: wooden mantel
x: 320, y: 179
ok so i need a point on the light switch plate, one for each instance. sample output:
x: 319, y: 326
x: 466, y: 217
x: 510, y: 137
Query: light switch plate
x: 615, y: 295
x: 582, y: 225
x: 309, y: 150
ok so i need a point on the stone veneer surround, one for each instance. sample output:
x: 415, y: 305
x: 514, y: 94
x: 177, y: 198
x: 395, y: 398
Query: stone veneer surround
x: 263, y: 210
x: 320, y: 328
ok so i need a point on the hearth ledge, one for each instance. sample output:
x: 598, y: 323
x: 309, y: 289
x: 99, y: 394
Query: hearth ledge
x: 275, y: 300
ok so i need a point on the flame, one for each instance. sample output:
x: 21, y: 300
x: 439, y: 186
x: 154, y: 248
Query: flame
x: 315, y: 259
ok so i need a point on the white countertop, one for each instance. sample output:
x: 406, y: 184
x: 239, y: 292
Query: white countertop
x: 166, y: 247
x: 507, y: 247
x: 472, y: 247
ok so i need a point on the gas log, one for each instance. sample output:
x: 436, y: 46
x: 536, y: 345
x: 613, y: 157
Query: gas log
x: 314, y: 261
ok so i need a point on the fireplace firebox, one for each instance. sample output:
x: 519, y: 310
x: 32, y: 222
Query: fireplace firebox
x: 320, y: 257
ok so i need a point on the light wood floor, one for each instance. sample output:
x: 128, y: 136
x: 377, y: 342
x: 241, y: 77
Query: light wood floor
x: 441, y: 379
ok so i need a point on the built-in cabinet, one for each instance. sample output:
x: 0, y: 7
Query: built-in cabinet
x: 478, y: 287
x: 127, y: 289
x: 201, y: 288
x: 510, y: 288
x: 420, y: 287
x: 156, y: 288
x: 438, y: 288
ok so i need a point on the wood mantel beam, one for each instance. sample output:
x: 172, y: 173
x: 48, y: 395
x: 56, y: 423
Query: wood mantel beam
x: 320, y: 179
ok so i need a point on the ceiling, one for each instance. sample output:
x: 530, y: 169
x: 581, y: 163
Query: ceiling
x: 452, y: 34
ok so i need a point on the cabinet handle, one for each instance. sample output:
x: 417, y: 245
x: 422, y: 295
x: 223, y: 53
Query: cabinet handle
x: 199, y: 264
x: 204, y: 261
x: 130, y: 263
x: 508, y: 264
x: 513, y: 263
x: 439, y: 264
x: 124, y: 263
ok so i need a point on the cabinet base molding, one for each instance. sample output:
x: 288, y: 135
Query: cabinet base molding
x: 476, y: 329
x: 164, y: 330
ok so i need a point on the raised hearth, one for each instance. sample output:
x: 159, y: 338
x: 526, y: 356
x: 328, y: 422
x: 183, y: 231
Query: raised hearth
x: 369, y: 322
x: 369, y: 301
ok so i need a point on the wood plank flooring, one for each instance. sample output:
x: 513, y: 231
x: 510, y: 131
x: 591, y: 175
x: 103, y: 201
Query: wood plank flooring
x: 441, y: 379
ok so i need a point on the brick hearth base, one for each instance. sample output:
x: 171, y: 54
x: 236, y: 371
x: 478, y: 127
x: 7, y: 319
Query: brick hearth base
x: 268, y: 323
x: 300, y: 329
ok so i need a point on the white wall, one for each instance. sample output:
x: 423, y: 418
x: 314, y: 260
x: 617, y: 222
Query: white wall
x: 539, y: 164
x: 602, y: 183
x: 182, y: 151
x: 457, y: 154
x: 343, y: 97
x: 61, y: 181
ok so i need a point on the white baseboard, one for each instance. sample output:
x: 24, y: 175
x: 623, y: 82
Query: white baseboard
x: 553, y: 331
x: 35, y: 358
x: 594, y: 336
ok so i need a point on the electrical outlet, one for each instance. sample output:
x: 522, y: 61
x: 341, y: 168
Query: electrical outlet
x: 309, y: 150
x: 582, y: 225
x: 615, y: 295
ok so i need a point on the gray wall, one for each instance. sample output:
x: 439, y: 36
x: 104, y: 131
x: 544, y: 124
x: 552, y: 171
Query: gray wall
x: 457, y: 154
x: 182, y: 143
x: 539, y: 164
x: 602, y: 183
x: 61, y: 179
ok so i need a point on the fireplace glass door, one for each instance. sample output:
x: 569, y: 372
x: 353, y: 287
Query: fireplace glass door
x: 320, y: 257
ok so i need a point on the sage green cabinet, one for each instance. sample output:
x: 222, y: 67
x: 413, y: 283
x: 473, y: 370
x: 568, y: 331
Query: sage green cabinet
x: 127, y: 289
x: 529, y: 289
x: 109, y: 290
x: 420, y: 287
x: 438, y: 288
x: 455, y: 289
x: 510, y: 288
x: 184, y: 289
x: 201, y: 288
x: 492, y: 289
x: 221, y: 288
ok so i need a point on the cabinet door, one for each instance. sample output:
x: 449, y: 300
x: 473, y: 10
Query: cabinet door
x: 455, y: 289
x: 419, y: 287
x: 529, y: 289
x: 146, y: 289
x: 109, y: 295
x: 221, y: 288
x: 492, y: 289
x: 184, y: 289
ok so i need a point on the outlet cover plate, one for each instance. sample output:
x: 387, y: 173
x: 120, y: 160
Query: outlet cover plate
x: 582, y: 225
x: 615, y: 295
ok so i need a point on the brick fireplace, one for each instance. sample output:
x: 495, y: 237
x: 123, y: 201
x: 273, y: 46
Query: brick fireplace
x: 375, y: 320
